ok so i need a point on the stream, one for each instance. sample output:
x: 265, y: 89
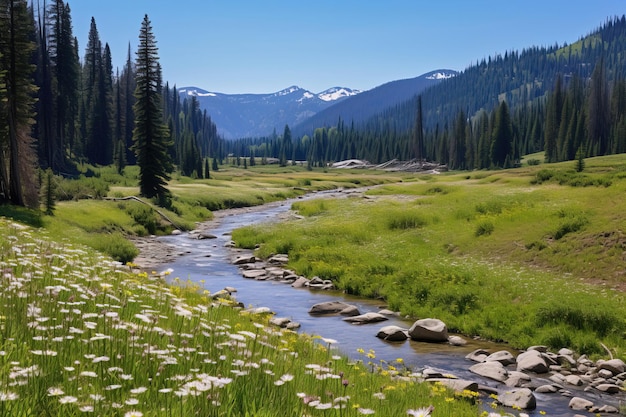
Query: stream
x: 210, y: 260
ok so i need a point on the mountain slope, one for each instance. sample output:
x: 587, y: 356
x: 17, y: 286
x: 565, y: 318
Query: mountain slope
x: 253, y: 115
x: 361, y: 107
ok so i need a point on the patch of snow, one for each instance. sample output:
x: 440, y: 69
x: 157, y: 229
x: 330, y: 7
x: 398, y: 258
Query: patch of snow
x: 440, y: 76
x: 336, y: 93
x: 306, y: 96
x: 286, y: 91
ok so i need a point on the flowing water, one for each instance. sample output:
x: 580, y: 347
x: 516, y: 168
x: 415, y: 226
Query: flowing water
x: 210, y: 260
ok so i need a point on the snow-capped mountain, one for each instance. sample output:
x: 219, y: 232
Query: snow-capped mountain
x: 253, y: 115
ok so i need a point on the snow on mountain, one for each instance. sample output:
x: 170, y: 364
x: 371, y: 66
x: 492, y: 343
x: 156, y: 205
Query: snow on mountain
x: 336, y: 93
x: 441, y: 75
x: 198, y: 92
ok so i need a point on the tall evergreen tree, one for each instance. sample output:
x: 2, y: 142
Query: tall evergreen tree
x: 65, y: 68
x: 418, y: 131
x: 501, y: 144
x: 150, y: 136
x: 18, y: 179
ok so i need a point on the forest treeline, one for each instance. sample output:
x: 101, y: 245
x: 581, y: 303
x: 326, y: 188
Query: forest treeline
x: 558, y: 99
x: 59, y: 110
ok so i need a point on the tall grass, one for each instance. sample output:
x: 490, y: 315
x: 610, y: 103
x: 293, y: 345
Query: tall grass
x: 505, y: 259
x: 82, y: 335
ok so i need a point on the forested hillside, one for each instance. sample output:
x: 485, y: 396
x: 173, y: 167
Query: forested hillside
x: 564, y: 99
x: 59, y: 111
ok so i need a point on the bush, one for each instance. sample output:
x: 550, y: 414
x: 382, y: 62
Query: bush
x: 144, y: 216
x: 484, y: 227
x: 404, y: 221
x: 116, y: 246
x: 572, y: 221
x: 532, y: 162
x: 81, y: 188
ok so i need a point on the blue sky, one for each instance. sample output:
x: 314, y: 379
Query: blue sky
x: 262, y: 46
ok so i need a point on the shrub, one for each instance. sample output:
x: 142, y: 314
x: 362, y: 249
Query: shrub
x: 532, y: 162
x: 406, y: 220
x: 572, y: 221
x: 145, y: 216
x: 484, y: 227
x: 81, y: 188
x: 116, y: 246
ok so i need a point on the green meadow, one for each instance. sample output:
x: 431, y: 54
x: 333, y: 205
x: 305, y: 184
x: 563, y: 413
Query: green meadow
x: 84, y: 335
x: 533, y: 255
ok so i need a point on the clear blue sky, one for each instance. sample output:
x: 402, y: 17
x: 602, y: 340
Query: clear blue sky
x: 262, y: 46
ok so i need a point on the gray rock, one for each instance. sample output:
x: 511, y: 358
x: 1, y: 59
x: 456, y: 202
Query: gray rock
x: 392, y: 334
x: 292, y: 325
x: 260, y: 310
x: 300, y: 283
x: 532, y: 361
x: 517, y: 379
x: 244, y: 260
x: 616, y: 366
x: 205, y: 235
x: 574, y: 380
x: 577, y: 403
x: 279, y: 259
x: 220, y: 294
x: 522, y: 398
x: 457, y: 340
x: 546, y: 389
x: 387, y: 312
x: 458, y: 385
x: 502, y: 356
x: 230, y: 289
x: 539, y: 348
x: 254, y: 273
x: 608, y: 388
x: 366, y: 318
x: 608, y: 409
x: 328, y: 307
x: 492, y: 370
x: 429, y: 330
x: 350, y: 311
x: 280, y: 321
x: 479, y: 355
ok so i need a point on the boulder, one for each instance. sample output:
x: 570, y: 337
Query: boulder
x: 244, y: 259
x: 458, y: 385
x: 328, y: 307
x: 577, y: 403
x: 608, y: 388
x: 260, y: 310
x: 457, y: 341
x: 546, y: 389
x: 517, y: 379
x: 429, y: 330
x: 205, y: 235
x: 392, y: 334
x: 220, y: 294
x: 387, y: 312
x: 532, y: 361
x: 230, y: 289
x: 518, y: 398
x: 254, y: 273
x: 280, y: 321
x: 574, y: 380
x: 366, y: 318
x: 279, y: 259
x: 502, y: 356
x: 350, y: 311
x: 292, y: 325
x: 300, y: 283
x: 492, y: 370
x: 616, y: 366
x: 479, y: 355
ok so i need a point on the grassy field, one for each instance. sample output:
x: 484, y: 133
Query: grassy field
x: 82, y: 335
x: 533, y: 255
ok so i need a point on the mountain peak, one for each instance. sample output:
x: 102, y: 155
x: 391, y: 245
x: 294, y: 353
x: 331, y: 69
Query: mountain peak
x: 441, y: 75
x: 335, y: 93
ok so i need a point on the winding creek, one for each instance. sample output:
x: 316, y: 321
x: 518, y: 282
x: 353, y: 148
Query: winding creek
x: 210, y: 261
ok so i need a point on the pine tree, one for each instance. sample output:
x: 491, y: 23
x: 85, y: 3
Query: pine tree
x: 418, y: 131
x: 18, y: 179
x: 502, y: 136
x: 150, y: 136
x: 49, y: 189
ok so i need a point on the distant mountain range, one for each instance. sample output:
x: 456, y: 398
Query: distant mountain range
x: 256, y: 115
